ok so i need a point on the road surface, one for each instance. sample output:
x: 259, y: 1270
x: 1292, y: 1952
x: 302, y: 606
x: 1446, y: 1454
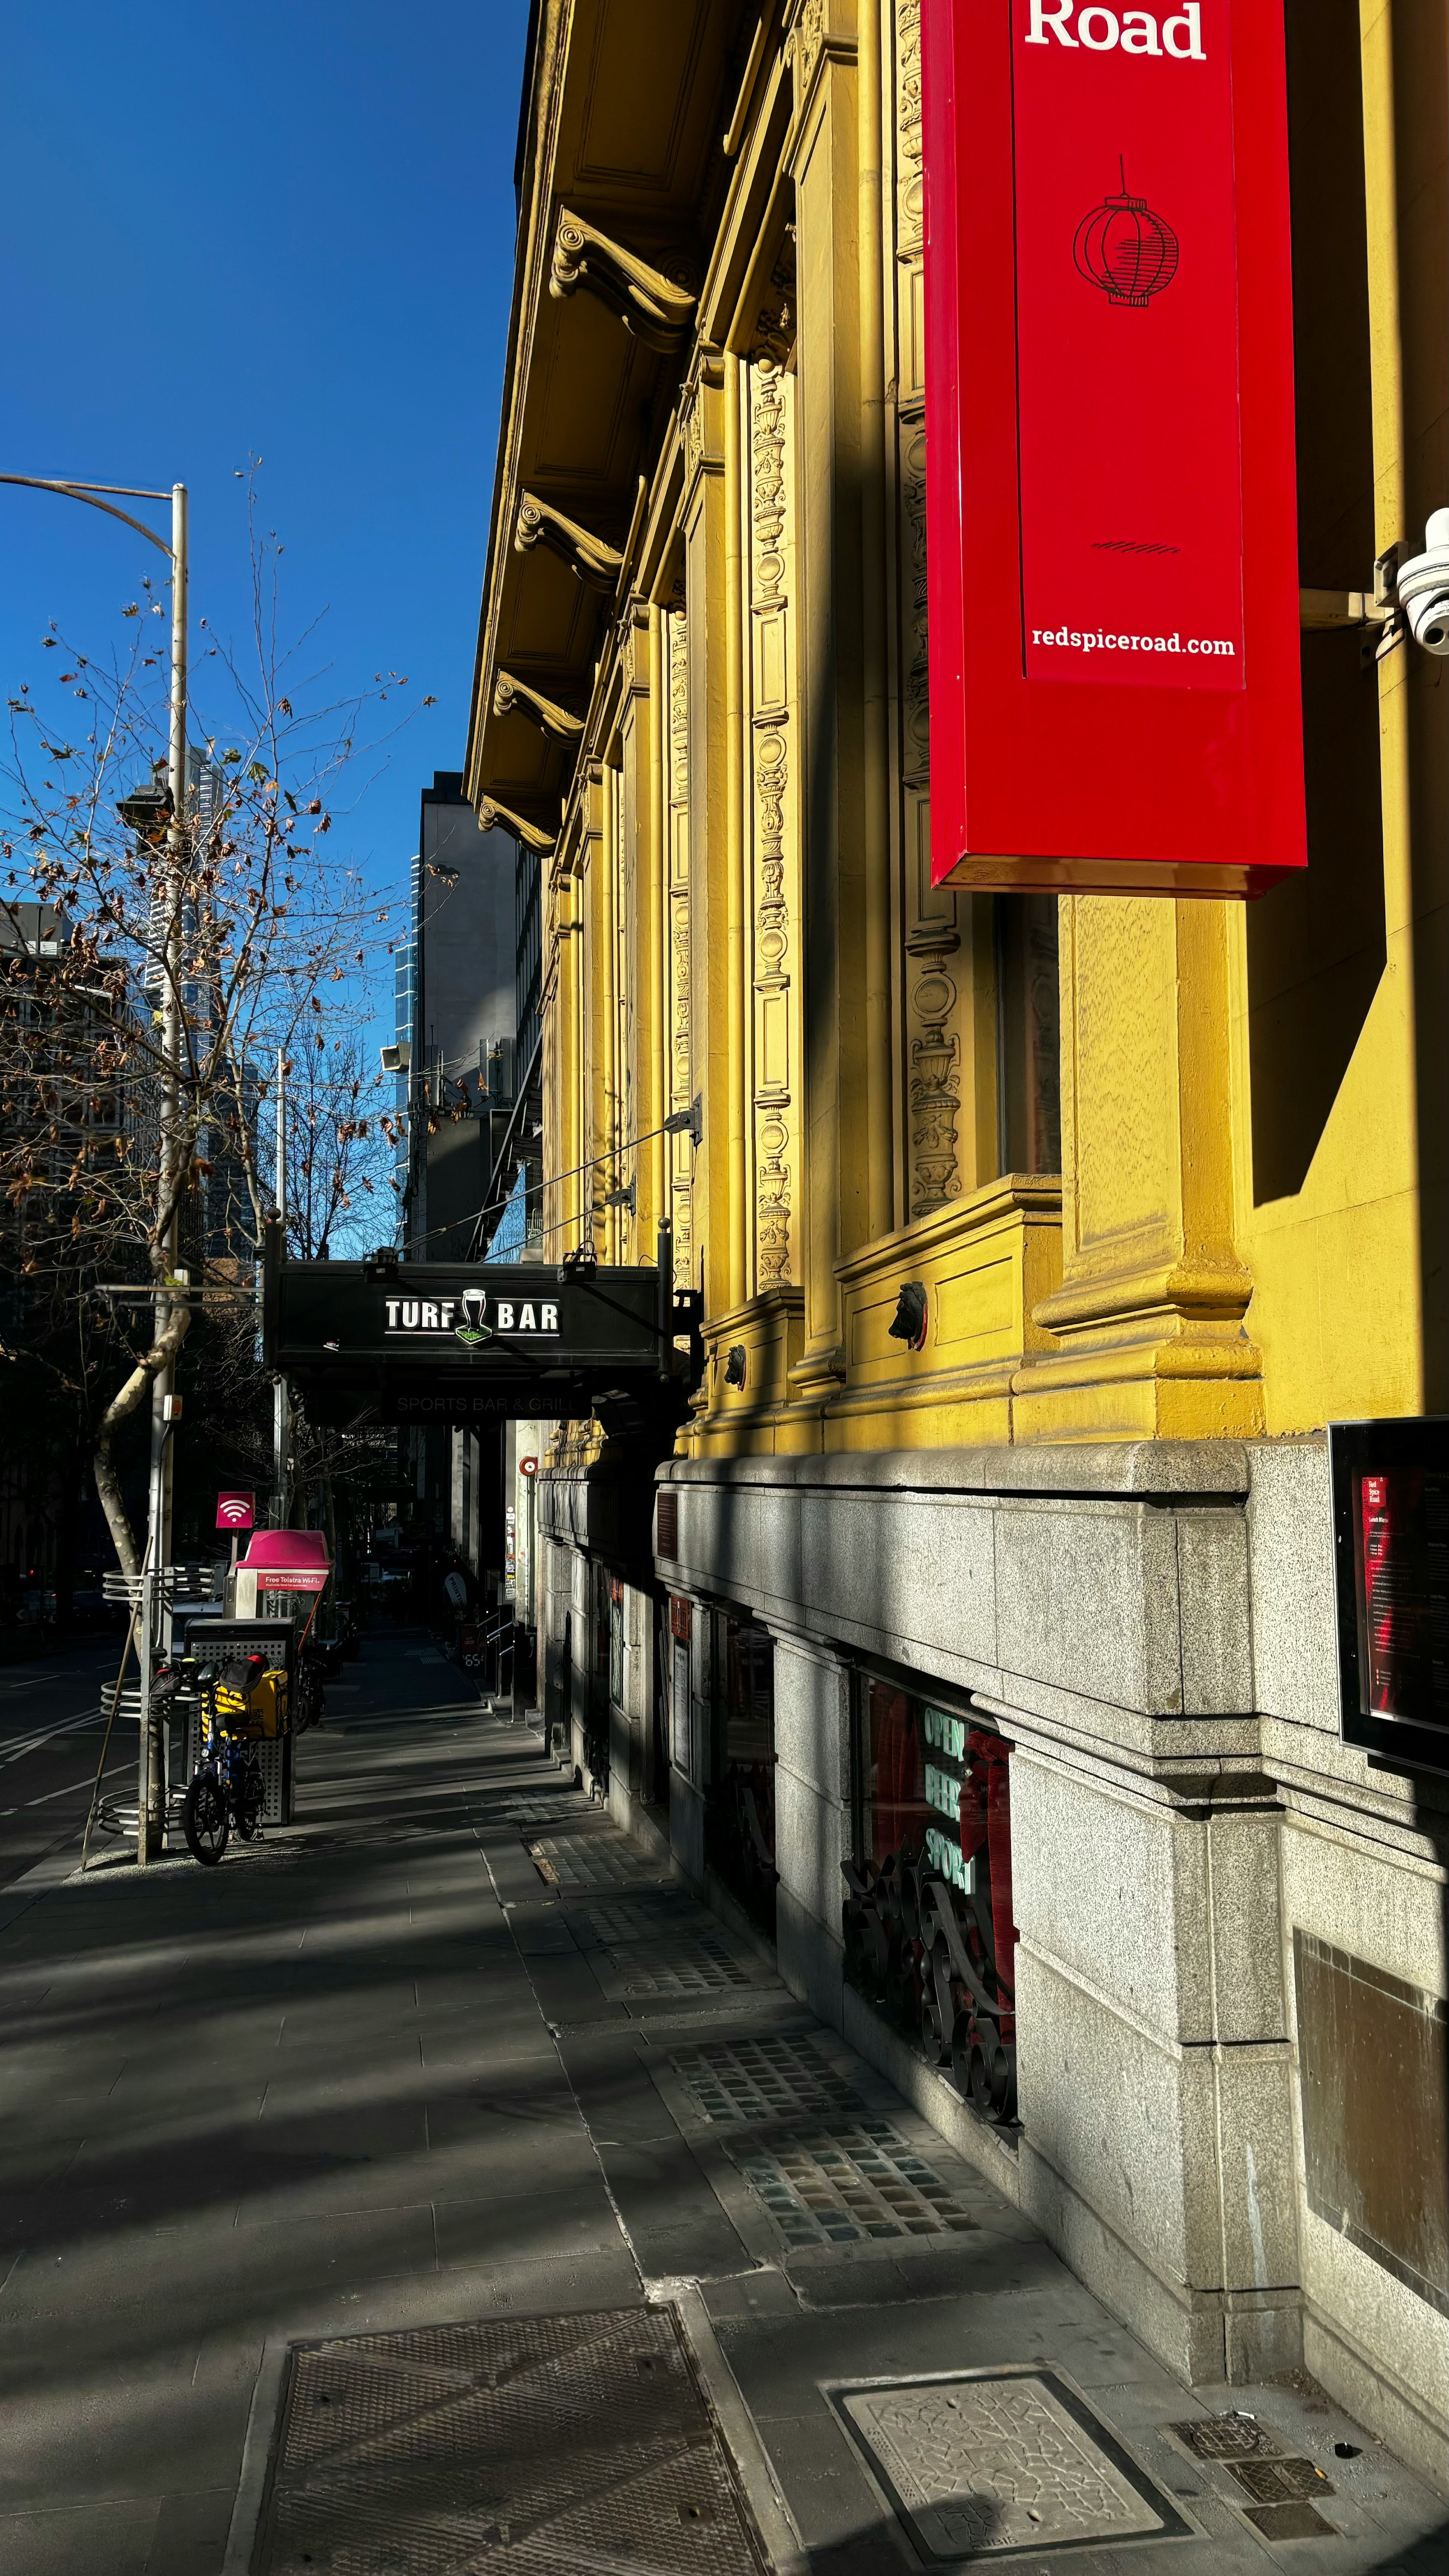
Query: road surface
x: 50, y: 1742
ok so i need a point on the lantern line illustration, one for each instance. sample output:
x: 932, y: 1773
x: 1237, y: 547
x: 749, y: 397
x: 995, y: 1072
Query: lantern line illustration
x: 1125, y: 249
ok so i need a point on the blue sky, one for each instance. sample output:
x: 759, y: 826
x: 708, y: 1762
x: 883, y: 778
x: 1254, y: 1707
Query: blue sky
x: 285, y: 230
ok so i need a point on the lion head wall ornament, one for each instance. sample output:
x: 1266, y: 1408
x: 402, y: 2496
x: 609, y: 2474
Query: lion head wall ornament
x: 1125, y: 249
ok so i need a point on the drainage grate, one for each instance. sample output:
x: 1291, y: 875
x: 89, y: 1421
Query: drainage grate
x: 696, y: 1964
x: 998, y: 2461
x: 591, y: 1861
x: 645, y: 1918
x: 849, y: 2183
x: 536, y: 2445
x: 1227, y: 2437
x: 761, y: 2079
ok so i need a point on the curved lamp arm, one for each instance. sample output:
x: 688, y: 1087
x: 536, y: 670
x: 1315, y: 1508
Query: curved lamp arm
x: 89, y: 491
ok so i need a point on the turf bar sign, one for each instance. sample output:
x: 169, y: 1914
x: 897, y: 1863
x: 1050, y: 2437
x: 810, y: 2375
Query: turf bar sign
x: 467, y: 1318
x: 466, y: 1341
x: 1111, y: 537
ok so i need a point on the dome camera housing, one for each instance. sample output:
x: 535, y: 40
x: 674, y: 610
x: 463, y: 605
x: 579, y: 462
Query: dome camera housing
x: 1424, y: 587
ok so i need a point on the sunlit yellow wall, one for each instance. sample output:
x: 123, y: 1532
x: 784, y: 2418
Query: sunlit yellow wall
x: 1348, y: 1271
x: 742, y: 907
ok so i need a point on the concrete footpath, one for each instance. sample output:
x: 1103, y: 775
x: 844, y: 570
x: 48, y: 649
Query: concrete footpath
x: 450, y: 2059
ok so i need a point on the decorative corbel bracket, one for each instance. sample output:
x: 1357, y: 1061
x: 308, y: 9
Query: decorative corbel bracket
x: 490, y: 812
x: 588, y: 558
x: 515, y: 697
x: 653, y: 307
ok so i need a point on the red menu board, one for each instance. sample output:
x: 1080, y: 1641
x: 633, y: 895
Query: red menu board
x: 1111, y: 538
x: 1403, y: 1574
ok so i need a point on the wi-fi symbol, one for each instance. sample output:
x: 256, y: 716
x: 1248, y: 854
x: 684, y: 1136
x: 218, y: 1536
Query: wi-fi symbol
x: 233, y: 1510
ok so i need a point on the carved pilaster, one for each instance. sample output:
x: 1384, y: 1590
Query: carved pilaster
x: 588, y: 558
x: 939, y: 997
x: 909, y: 202
x: 935, y: 1088
x: 910, y: 148
x: 774, y: 790
x: 810, y: 28
x: 678, y: 964
x: 658, y: 310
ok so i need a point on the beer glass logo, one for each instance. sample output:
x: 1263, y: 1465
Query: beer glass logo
x: 472, y: 1329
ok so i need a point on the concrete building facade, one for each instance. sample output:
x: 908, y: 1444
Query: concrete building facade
x: 978, y: 1643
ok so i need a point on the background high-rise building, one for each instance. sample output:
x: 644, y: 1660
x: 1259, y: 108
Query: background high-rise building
x: 455, y: 1008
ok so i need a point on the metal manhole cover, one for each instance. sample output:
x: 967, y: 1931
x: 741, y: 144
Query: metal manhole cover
x: 756, y: 2080
x: 1290, y: 2522
x: 536, y: 2446
x: 1280, y: 2481
x: 1227, y: 2437
x: 986, y: 2463
x: 854, y: 2181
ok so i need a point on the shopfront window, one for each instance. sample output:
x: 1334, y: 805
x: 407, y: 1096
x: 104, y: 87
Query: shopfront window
x: 928, y: 1917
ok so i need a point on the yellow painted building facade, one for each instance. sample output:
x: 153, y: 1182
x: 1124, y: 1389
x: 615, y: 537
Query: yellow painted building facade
x: 1173, y: 1177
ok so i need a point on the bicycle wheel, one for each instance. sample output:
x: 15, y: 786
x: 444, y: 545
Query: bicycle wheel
x: 204, y: 1819
x: 250, y: 1798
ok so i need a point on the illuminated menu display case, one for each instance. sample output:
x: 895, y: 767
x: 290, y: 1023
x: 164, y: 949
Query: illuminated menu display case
x: 1391, y: 1557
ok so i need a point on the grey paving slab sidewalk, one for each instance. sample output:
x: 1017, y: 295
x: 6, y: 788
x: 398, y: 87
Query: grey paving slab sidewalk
x: 389, y: 2071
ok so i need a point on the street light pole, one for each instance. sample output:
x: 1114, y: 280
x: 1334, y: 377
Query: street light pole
x: 150, y: 1782
x: 151, y: 1779
x: 281, y: 1409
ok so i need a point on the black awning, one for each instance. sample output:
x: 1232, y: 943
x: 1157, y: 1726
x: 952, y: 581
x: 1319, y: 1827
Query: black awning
x: 455, y: 1342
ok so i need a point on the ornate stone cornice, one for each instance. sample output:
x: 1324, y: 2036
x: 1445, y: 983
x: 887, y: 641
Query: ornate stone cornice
x: 490, y: 812
x: 515, y: 697
x: 657, y: 309
x: 588, y: 558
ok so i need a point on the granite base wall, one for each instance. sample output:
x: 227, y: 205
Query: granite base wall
x: 1152, y: 1626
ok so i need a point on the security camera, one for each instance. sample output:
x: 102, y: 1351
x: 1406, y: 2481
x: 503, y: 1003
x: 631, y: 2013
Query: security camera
x: 1423, y: 587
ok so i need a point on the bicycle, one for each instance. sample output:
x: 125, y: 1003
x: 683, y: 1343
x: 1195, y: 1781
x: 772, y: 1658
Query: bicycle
x: 227, y: 1788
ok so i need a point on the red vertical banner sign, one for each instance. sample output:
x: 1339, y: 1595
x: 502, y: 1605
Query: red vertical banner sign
x: 1111, y: 519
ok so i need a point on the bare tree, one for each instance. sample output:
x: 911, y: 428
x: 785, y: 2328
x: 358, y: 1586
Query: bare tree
x: 257, y: 927
x: 340, y: 1143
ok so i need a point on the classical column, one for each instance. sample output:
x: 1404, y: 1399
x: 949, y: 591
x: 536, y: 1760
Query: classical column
x: 825, y: 168
x: 710, y: 869
x: 1403, y: 63
x: 1150, y: 1312
x: 563, y: 1198
x: 637, y: 944
x: 734, y: 590
x: 875, y: 776
x: 773, y: 928
x: 676, y: 931
x: 654, y: 926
